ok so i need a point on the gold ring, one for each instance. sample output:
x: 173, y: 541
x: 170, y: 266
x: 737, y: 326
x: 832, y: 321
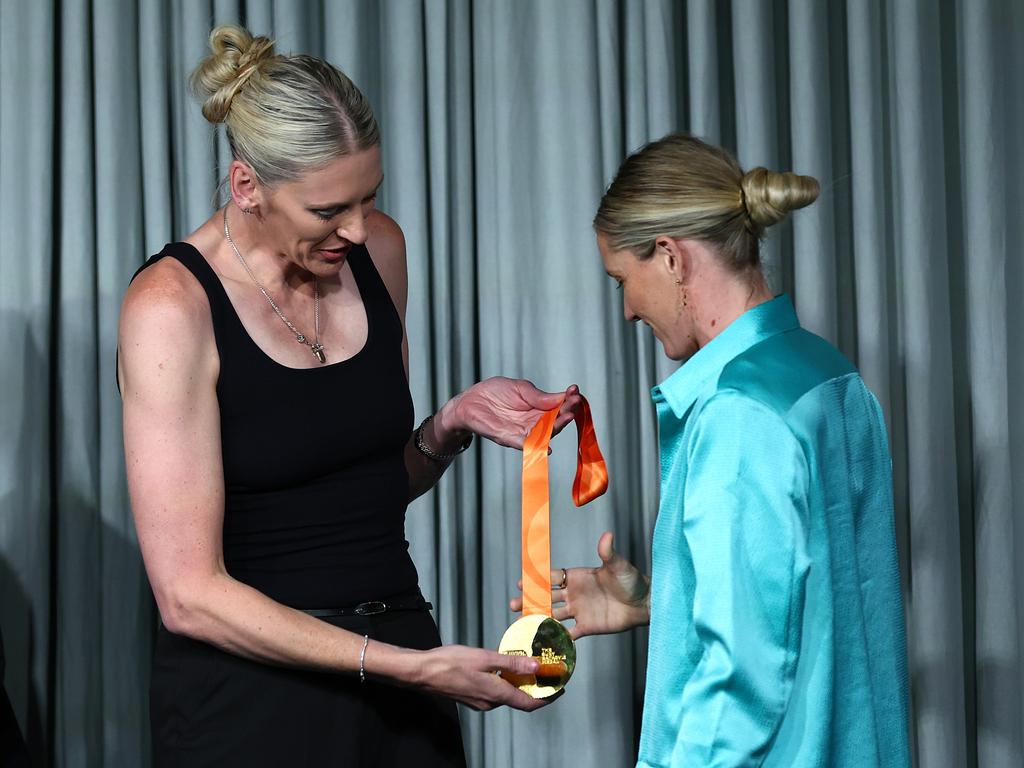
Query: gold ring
x: 565, y: 579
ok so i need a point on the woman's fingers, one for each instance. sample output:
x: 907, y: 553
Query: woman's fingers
x: 606, y: 547
x: 516, y: 665
x: 497, y: 692
x: 514, y: 422
x: 519, y: 700
x: 482, y: 678
x: 558, y: 597
x: 571, y: 405
x: 538, y: 398
x: 561, y: 421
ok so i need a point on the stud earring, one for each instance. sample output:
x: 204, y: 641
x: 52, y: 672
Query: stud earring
x: 247, y: 211
x: 685, y: 297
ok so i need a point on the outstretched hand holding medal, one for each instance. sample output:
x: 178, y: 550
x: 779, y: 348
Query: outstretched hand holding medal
x: 538, y: 633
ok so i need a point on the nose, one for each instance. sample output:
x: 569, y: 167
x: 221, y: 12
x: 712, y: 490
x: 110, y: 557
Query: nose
x: 353, y: 229
x: 627, y: 310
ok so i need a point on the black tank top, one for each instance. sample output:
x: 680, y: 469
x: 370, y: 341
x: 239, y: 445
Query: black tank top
x: 314, y: 472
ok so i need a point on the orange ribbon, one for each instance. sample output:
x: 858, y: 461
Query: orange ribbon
x: 591, y: 481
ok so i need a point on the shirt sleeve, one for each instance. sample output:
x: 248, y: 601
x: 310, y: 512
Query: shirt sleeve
x: 745, y: 517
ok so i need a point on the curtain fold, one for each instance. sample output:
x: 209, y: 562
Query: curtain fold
x: 984, y: 147
x: 27, y: 272
x: 502, y: 123
x: 924, y: 306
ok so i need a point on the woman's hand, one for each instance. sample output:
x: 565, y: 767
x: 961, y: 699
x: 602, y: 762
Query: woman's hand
x: 612, y: 598
x: 468, y: 676
x: 505, y: 410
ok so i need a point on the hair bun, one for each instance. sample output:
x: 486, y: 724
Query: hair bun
x: 236, y: 56
x: 769, y: 196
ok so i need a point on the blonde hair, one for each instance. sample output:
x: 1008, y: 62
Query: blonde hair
x: 284, y: 115
x: 682, y: 187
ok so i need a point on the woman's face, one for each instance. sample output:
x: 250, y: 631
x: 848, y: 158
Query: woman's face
x: 315, y: 220
x: 650, y: 293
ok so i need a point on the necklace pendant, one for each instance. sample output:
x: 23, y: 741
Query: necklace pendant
x: 318, y: 350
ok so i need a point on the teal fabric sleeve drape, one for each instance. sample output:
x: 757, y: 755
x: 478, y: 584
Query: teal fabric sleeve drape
x: 502, y: 123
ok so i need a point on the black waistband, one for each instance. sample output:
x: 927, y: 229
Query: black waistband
x: 414, y: 602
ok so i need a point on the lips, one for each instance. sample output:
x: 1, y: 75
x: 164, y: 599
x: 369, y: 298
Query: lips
x: 334, y: 254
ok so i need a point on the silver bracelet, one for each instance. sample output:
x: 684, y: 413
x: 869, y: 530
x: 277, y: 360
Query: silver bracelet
x: 429, y: 452
x: 362, y: 659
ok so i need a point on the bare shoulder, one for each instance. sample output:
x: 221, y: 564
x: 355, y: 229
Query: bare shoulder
x: 164, y: 294
x: 386, y: 245
x: 165, y: 324
x: 384, y: 236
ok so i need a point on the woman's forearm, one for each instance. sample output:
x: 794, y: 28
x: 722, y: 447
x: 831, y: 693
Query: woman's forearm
x: 236, y: 618
x: 443, y: 434
x: 233, y: 616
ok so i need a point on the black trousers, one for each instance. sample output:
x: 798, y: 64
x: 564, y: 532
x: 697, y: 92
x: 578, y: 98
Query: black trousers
x: 212, y: 708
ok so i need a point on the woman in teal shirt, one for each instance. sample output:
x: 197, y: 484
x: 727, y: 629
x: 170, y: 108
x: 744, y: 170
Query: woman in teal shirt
x: 776, y: 621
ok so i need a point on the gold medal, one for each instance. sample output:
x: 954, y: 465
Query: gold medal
x: 546, y: 640
x: 537, y: 634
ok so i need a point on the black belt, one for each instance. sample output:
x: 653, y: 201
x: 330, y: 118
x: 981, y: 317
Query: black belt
x: 373, y: 607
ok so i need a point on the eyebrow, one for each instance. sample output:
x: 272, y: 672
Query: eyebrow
x: 333, y: 206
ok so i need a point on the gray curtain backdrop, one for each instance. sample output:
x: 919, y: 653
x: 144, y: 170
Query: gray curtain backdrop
x: 502, y: 123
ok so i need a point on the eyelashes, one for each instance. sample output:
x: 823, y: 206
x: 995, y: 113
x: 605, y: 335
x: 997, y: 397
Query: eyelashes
x: 327, y: 215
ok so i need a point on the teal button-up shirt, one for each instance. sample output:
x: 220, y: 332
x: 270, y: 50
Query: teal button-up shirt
x: 777, y: 634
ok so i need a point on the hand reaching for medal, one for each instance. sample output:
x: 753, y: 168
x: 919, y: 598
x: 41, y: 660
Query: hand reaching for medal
x: 610, y: 598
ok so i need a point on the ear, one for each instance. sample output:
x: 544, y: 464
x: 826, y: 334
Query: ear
x: 675, y: 257
x: 246, y: 189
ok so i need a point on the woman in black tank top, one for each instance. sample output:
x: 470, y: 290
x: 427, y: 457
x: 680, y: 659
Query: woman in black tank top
x: 271, y: 453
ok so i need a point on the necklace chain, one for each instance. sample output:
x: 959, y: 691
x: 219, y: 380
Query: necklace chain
x: 315, y: 345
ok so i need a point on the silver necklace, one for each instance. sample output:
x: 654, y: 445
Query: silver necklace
x: 315, y: 345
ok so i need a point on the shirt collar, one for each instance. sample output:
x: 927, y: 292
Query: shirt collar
x: 681, y: 389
